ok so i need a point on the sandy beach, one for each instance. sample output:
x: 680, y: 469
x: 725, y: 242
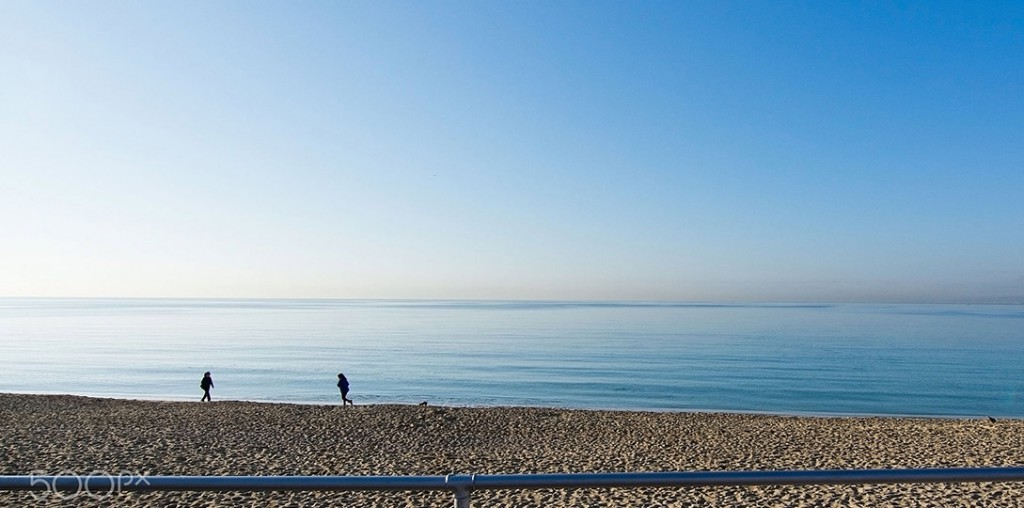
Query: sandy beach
x: 55, y: 434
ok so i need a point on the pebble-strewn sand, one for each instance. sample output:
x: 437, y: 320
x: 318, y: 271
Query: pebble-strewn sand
x: 55, y: 434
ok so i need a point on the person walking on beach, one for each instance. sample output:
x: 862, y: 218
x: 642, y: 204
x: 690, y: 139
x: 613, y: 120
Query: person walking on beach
x: 343, y: 386
x: 206, y: 384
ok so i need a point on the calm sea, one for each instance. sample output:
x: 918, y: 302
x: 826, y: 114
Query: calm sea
x: 936, y: 360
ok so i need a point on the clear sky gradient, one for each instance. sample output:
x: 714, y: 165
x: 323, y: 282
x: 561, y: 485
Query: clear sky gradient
x: 746, y: 151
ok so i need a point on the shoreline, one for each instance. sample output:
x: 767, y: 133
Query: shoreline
x: 784, y: 414
x: 67, y: 434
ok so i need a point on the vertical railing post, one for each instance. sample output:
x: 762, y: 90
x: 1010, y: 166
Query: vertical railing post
x: 461, y: 486
x: 461, y: 497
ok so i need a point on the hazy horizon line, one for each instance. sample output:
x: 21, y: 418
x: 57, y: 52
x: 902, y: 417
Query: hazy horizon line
x: 994, y: 300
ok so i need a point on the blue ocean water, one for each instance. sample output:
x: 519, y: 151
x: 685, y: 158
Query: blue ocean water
x: 932, y: 360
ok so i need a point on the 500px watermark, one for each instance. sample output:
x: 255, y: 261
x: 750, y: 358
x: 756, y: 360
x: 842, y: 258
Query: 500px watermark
x: 69, y: 484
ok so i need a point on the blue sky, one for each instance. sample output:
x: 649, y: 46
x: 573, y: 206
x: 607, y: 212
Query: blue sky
x: 749, y: 151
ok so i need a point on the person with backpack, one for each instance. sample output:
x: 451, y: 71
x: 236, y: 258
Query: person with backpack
x: 206, y: 384
x: 343, y: 386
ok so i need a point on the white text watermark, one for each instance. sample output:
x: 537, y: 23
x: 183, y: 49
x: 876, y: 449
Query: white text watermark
x: 69, y: 484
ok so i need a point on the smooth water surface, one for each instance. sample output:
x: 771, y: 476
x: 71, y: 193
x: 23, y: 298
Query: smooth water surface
x: 938, y: 360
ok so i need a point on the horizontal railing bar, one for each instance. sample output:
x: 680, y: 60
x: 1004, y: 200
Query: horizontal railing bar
x: 107, y: 483
x: 737, y: 478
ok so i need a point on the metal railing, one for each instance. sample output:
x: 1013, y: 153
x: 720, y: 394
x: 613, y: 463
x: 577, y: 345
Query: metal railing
x: 461, y: 485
